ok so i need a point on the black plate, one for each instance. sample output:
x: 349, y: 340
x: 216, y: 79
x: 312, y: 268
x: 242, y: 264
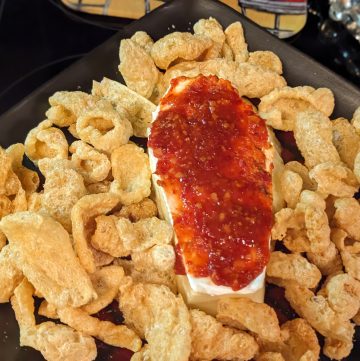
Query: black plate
x: 103, y: 61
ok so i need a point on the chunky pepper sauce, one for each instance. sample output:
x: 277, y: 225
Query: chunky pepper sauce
x: 209, y: 146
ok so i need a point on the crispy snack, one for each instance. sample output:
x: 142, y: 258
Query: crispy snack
x: 355, y: 121
x: 236, y: 40
x: 10, y: 274
x: 2, y: 240
x: 179, y: 47
x: 270, y: 356
x: 226, y: 52
x: 317, y: 311
x: 346, y: 141
x: 142, y: 355
x: 144, y: 40
x: 351, y: 263
x: 137, y: 67
x: 284, y: 269
x: 63, y: 187
x: 303, y: 172
x: 334, y: 179
x: 278, y: 201
x: 250, y: 80
x: 343, y: 294
x: 106, y: 237
x: 281, y: 107
x: 83, y: 215
x: 42, y: 244
x: 327, y: 261
x: 211, y: 28
x: 138, y: 108
x: 343, y: 243
x: 211, y: 340
x: 132, y: 174
x: 34, y: 202
x: 344, y: 208
x: 72, y: 130
x: 266, y: 59
x: 106, y: 282
x: 243, y: 313
x: 313, y: 134
x: 291, y: 187
x: 163, y: 318
x: 104, y: 127
x: 144, y: 234
x: 48, y: 310
x: 99, y: 187
x: 115, y: 335
x: 66, y: 107
x: 45, y: 141
x: 136, y: 211
x: 336, y: 349
x: 93, y: 165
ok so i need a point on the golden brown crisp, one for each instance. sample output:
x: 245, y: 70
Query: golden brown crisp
x: 343, y: 242
x: 115, y: 335
x: 99, y: 187
x: 212, y: 29
x: 142, y: 355
x: 144, y: 40
x: 83, y: 215
x: 351, y: 263
x: 136, y: 211
x: 344, y: 208
x: 137, y: 68
x: 291, y: 187
x: 179, y: 47
x: 282, y: 106
x: 226, y: 52
x: 243, y: 313
x: 132, y: 174
x: 266, y: 59
x: 163, y: 318
x: 211, y: 340
x: 317, y: 311
x: 303, y: 172
x: 45, y: 141
x: 313, y: 135
x: 284, y: 269
x: 355, y: 121
x: 63, y: 187
x: 66, y: 107
x: 138, y: 108
x: 270, y: 356
x: 337, y: 349
x: 236, y: 40
x: 42, y: 244
x: 346, y: 141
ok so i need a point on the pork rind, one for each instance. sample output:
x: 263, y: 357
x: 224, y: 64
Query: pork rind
x: 317, y: 311
x: 142, y: 355
x: 347, y: 216
x: 144, y: 40
x: 250, y: 80
x: 266, y: 59
x: 103, y: 127
x: 163, y: 318
x: 337, y: 349
x: 236, y: 40
x: 10, y: 274
x: 303, y: 172
x: 83, y: 215
x: 281, y: 107
x: 115, y: 335
x: 138, y: 68
x: 243, y: 313
x: 42, y: 244
x: 291, y: 187
x: 355, y: 121
x: 346, y: 141
x: 132, y: 174
x: 179, y: 46
x: 99, y: 187
x: 93, y: 165
x: 334, y: 179
x: 270, y: 356
x: 136, y: 211
x: 327, y: 261
x: 67, y: 106
x: 211, y: 340
x: 2, y: 240
x: 106, y: 282
x: 144, y: 234
x: 351, y: 262
x: 63, y: 187
x: 46, y: 141
x: 138, y: 108
x: 343, y: 294
x: 226, y: 52
x: 212, y: 29
x: 284, y: 269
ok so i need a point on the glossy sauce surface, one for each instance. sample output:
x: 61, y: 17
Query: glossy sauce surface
x: 210, y: 146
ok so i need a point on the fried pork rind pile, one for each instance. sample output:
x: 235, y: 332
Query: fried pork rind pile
x: 90, y: 234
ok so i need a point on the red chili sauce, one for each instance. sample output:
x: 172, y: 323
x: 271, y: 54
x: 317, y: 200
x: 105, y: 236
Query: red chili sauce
x: 210, y: 149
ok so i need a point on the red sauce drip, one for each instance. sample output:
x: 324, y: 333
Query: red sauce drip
x: 179, y: 263
x: 209, y: 145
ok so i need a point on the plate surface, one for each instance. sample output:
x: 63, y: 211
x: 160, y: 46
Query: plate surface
x: 103, y: 61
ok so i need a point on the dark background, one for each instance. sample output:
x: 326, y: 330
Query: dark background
x: 39, y: 38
